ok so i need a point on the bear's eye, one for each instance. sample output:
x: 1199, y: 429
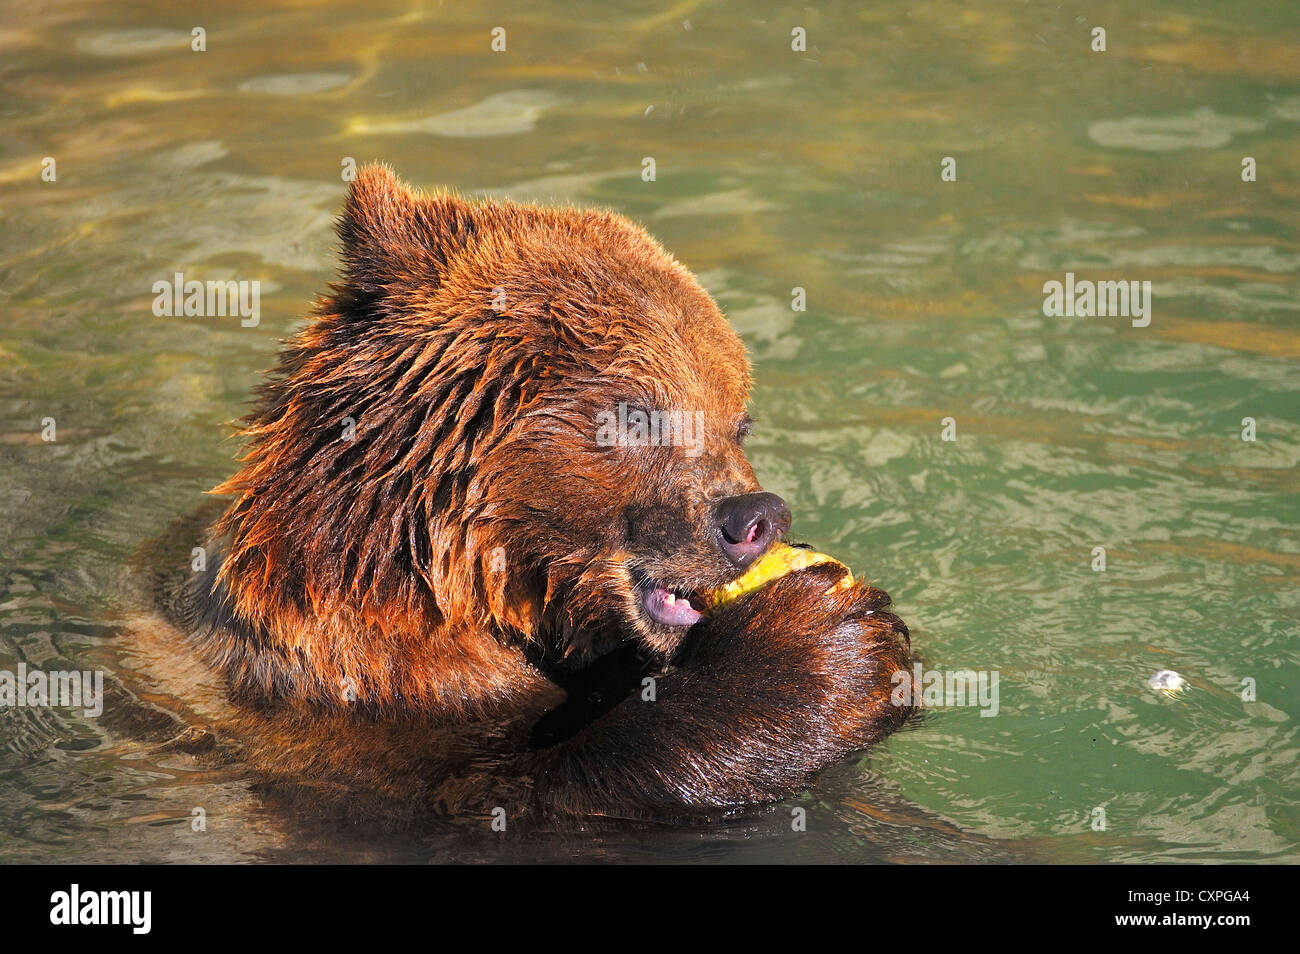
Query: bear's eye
x: 743, y: 428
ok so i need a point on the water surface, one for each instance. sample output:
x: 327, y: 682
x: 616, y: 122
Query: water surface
x: 774, y: 170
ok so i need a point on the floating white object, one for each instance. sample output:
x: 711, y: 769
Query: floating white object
x: 1167, y: 681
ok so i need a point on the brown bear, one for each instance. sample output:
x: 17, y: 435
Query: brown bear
x: 440, y: 580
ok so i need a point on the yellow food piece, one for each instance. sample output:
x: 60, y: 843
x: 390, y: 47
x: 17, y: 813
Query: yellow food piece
x: 779, y: 560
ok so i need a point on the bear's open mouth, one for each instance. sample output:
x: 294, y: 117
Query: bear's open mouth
x: 668, y: 606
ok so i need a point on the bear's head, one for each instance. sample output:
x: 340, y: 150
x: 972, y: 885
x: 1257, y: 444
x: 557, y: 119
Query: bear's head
x: 503, y: 415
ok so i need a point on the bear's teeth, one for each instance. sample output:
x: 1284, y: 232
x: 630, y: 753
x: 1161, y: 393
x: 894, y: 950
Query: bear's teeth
x: 670, y: 599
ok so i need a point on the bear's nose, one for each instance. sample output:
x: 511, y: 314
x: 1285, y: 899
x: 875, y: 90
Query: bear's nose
x: 748, y: 524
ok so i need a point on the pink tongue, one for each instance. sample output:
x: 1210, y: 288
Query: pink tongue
x: 677, y: 613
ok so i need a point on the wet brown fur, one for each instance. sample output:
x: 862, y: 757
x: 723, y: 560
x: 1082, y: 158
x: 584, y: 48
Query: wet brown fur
x: 407, y: 611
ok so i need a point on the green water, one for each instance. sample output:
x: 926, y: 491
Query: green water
x: 774, y: 169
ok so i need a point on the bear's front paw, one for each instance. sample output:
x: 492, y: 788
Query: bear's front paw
x: 768, y: 691
x: 828, y: 652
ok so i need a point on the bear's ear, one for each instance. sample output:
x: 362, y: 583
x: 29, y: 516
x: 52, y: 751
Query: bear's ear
x: 395, y: 237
